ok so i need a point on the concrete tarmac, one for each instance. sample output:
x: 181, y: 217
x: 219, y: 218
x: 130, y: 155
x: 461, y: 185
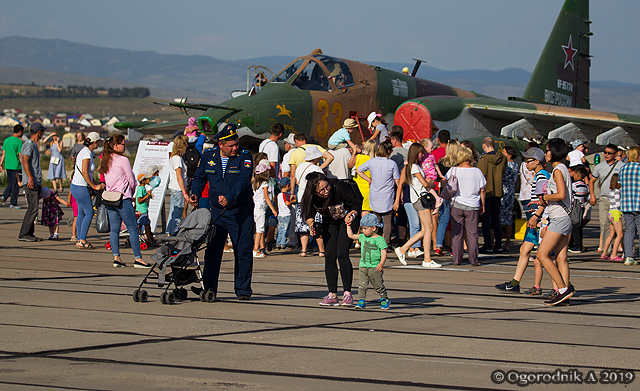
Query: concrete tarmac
x: 68, y: 322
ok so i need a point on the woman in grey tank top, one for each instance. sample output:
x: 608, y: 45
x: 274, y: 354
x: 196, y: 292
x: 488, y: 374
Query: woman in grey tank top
x: 556, y: 238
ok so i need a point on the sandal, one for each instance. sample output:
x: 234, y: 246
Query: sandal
x: 85, y: 246
x: 321, y: 254
x: 302, y: 254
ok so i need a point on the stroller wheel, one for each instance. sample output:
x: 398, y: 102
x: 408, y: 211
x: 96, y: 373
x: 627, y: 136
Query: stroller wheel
x: 181, y: 293
x: 136, y: 295
x: 171, y: 298
x: 107, y: 245
x: 143, y: 246
x: 144, y: 296
x: 209, y: 296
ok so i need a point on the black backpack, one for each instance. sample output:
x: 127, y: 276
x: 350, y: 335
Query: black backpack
x: 354, y: 188
x: 191, y: 159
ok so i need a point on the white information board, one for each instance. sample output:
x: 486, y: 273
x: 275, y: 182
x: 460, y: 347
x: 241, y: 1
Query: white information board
x: 154, y: 153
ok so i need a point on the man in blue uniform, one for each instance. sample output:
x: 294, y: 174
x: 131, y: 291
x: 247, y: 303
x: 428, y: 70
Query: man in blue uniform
x: 228, y: 170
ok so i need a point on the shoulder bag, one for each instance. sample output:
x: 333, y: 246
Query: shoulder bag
x: 450, y: 188
x: 112, y: 198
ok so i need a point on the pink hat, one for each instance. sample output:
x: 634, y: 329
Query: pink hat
x: 192, y: 125
x: 263, y: 166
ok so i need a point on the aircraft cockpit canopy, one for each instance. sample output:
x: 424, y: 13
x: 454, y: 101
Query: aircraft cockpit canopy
x: 338, y: 69
x: 312, y: 78
x: 316, y: 77
x: 286, y: 74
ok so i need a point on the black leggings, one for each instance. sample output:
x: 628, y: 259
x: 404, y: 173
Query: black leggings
x: 336, y: 247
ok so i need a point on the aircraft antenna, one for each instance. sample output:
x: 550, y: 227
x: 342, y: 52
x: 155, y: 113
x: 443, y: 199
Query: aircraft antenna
x: 415, y: 67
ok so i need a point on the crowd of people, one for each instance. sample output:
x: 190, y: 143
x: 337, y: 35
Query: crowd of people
x: 412, y: 199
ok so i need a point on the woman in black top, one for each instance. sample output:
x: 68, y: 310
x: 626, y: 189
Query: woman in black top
x: 339, y: 206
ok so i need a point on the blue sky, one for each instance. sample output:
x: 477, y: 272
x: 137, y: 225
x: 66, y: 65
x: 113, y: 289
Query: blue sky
x: 451, y: 34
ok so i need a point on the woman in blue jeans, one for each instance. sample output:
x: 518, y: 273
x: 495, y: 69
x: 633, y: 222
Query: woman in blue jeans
x: 81, y: 180
x: 119, y: 178
x: 403, y: 195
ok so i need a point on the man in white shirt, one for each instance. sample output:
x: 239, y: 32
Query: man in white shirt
x: 289, y: 147
x: 270, y: 147
x: 576, y: 157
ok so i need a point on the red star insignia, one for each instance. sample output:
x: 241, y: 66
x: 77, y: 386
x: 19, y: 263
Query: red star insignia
x: 569, y: 52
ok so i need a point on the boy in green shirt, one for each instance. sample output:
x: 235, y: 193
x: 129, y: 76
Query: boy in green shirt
x: 373, y: 250
x: 142, y: 206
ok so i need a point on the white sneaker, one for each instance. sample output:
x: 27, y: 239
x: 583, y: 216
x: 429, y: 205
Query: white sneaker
x: 357, y: 245
x: 410, y: 254
x: 258, y: 254
x: 431, y: 265
x: 401, y: 256
x: 418, y: 252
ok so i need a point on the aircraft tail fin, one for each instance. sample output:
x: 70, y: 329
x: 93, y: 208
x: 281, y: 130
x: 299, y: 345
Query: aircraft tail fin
x: 561, y: 76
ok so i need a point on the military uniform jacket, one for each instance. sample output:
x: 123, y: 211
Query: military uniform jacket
x: 234, y: 184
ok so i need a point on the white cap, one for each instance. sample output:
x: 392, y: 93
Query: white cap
x: 93, y: 137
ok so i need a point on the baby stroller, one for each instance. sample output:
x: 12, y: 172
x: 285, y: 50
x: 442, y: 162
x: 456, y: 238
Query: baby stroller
x: 176, y: 262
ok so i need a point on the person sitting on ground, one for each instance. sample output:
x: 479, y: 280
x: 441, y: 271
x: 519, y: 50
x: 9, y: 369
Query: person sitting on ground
x: 373, y: 256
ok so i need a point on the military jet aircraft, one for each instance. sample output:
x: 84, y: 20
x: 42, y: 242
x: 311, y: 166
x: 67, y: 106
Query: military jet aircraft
x: 315, y: 93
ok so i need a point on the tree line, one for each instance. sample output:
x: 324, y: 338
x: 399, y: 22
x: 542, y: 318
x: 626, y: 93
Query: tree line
x: 79, y: 92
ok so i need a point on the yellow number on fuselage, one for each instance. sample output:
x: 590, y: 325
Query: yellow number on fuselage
x: 323, y: 127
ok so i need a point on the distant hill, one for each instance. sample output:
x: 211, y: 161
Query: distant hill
x: 204, y: 78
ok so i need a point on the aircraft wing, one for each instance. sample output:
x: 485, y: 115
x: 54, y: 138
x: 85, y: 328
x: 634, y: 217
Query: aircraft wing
x: 540, y: 120
x: 151, y: 126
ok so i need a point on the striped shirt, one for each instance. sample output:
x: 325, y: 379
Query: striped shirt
x: 580, y: 191
x: 629, y: 178
x: 539, y: 186
x: 225, y: 161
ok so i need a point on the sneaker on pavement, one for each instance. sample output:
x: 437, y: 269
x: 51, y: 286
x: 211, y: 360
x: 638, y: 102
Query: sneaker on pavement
x: 561, y: 296
x: 418, y: 252
x: 533, y: 291
x: 360, y: 305
x: 551, y: 295
x: 507, y: 287
x: 330, y: 300
x: 431, y: 265
x: 628, y: 261
x: 575, y: 250
x: 14, y: 207
x: 384, y: 303
x: 401, y: 256
x: 439, y: 252
x: 258, y: 254
x: 2, y: 201
x: 347, y: 299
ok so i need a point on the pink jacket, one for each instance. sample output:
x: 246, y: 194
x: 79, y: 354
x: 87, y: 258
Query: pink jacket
x: 120, y: 176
